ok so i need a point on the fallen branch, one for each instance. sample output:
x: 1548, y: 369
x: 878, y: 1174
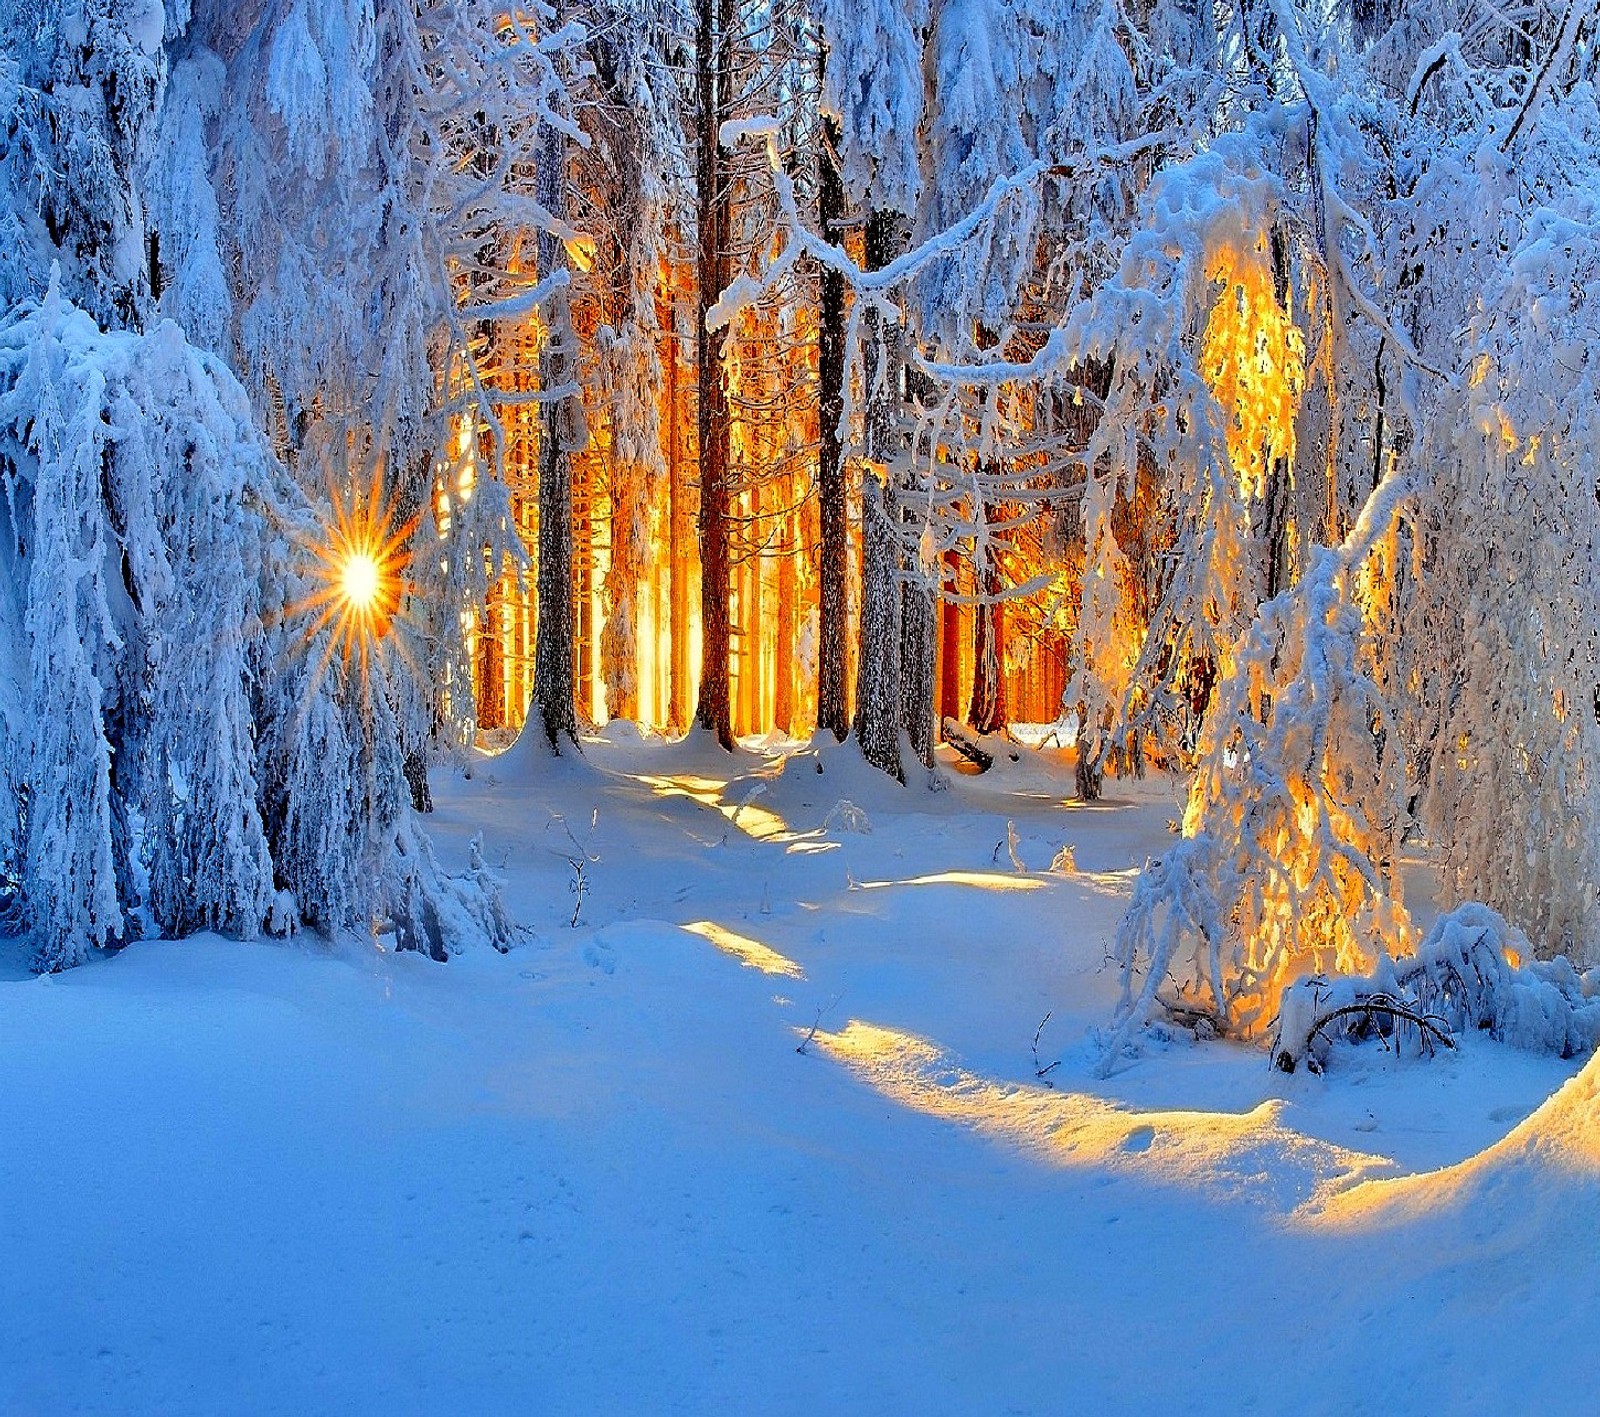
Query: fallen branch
x: 1430, y: 1029
x: 1461, y: 978
x: 959, y: 739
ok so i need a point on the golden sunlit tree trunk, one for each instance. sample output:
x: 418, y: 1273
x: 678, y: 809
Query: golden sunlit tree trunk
x: 677, y: 540
x: 950, y: 642
x: 714, y: 92
x: 784, y: 712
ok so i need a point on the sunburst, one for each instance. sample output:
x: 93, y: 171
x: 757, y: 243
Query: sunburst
x: 359, y: 563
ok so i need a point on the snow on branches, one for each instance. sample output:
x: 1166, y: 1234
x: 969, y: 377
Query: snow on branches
x: 1286, y: 862
x: 183, y: 749
x: 1467, y: 974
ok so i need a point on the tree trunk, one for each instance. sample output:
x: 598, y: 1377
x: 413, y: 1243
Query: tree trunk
x: 561, y: 433
x: 1280, y: 483
x: 678, y: 545
x: 987, y: 712
x: 833, y: 710
x: 917, y: 627
x: 783, y: 705
x: 714, y: 84
x: 878, y: 674
x: 407, y: 495
x: 950, y: 646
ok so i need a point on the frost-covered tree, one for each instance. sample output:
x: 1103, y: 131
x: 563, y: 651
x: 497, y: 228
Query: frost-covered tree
x: 873, y: 100
x: 631, y: 189
x: 1287, y: 862
x: 81, y: 83
x: 1452, y: 178
x: 201, y: 737
x: 384, y: 154
x: 177, y: 727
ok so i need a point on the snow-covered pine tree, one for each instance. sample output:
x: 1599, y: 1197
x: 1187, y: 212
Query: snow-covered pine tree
x: 1287, y: 863
x: 254, y: 776
x: 82, y: 83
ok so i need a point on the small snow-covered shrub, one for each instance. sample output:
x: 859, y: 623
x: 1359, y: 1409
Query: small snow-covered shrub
x: 845, y: 816
x: 1467, y: 974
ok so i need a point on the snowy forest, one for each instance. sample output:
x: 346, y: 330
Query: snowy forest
x: 459, y: 460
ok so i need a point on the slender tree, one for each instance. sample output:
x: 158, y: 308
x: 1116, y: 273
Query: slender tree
x: 714, y: 29
x: 832, y: 493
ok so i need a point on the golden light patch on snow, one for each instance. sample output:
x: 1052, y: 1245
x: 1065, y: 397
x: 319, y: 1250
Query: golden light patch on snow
x: 756, y: 821
x: 1111, y: 883
x: 1561, y: 1139
x: 1242, y: 1154
x: 979, y: 880
x: 750, y: 953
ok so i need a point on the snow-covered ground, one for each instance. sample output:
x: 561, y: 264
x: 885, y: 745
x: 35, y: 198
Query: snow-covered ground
x: 601, y: 1174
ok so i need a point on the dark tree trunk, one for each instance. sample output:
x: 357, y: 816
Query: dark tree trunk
x: 562, y: 431
x: 878, y: 676
x: 713, y: 88
x: 1280, y: 483
x: 1089, y: 771
x: 987, y: 712
x: 407, y: 494
x: 833, y: 710
x: 918, y: 622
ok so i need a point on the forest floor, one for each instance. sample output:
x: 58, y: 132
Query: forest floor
x: 606, y: 1173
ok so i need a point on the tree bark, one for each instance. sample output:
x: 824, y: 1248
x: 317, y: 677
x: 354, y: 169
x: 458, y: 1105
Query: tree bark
x: 563, y: 422
x: 833, y: 710
x: 918, y: 620
x: 987, y: 712
x: 783, y: 698
x: 878, y: 674
x: 714, y: 85
x: 950, y: 647
x: 678, y: 543
x: 407, y: 495
x: 1280, y: 485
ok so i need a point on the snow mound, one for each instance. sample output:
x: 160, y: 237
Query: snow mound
x: 1549, y: 1163
x: 1251, y: 1155
x: 808, y: 784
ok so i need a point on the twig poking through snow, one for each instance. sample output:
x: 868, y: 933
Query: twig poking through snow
x: 1040, y: 1070
x: 1012, y: 842
x: 816, y: 1023
x: 845, y: 816
x: 579, y: 884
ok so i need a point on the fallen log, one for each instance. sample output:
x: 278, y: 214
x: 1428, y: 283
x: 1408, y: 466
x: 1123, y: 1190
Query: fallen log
x: 957, y: 736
